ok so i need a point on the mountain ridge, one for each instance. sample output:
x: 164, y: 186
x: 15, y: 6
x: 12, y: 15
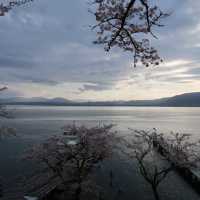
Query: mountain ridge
x: 182, y: 100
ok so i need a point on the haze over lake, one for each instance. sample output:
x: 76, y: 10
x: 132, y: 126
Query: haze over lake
x: 52, y: 118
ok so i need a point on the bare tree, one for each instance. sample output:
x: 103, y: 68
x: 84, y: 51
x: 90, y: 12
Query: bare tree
x: 124, y: 23
x: 73, y: 156
x: 4, y: 113
x: 4, y: 130
x: 10, y: 4
x: 157, y: 155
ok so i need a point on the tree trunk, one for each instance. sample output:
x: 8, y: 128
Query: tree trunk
x: 155, y: 193
x: 78, y: 192
x: 1, y: 190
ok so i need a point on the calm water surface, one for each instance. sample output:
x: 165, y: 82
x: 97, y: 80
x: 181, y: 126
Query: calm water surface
x: 36, y: 123
x: 52, y: 118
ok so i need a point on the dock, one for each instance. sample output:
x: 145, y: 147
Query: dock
x: 190, y: 175
x: 39, y: 186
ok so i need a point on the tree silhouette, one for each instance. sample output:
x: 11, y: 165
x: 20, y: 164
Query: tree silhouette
x: 4, y: 113
x: 127, y: 24
x: 4, y: 130
x: 154, y: 162
x: 72, y: 157
x: 6, y: 7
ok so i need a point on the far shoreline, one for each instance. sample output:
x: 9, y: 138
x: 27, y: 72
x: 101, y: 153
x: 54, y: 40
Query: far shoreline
x: 89, y: 105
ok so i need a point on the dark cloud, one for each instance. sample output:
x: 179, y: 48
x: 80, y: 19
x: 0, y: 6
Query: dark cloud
x: 15, y: 62
x: 32, y: 79
x: 95, y: 87
x: 182, y: 79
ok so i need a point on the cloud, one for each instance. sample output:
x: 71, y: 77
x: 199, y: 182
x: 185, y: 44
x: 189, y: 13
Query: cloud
x: 47, y: 50
x: 15, y: 62
x: 95, y: 87
x: 37, y: 80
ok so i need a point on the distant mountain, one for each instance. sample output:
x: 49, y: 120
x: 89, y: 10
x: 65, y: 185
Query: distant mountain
x: 58, y: 100
x: 34, y: 101
x: 22, y: 99
x: 183, y: 100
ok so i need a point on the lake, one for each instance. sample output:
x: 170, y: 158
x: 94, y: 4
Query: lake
x: 34, y: 124
x: 52, y: 118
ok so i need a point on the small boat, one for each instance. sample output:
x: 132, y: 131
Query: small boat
x: 30, y: 198
x: 66, y: 133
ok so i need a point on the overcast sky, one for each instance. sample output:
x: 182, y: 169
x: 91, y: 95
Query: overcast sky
x: 47, y: 51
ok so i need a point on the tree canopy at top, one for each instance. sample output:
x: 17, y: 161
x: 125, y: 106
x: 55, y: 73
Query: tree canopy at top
x: 126, y: 24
